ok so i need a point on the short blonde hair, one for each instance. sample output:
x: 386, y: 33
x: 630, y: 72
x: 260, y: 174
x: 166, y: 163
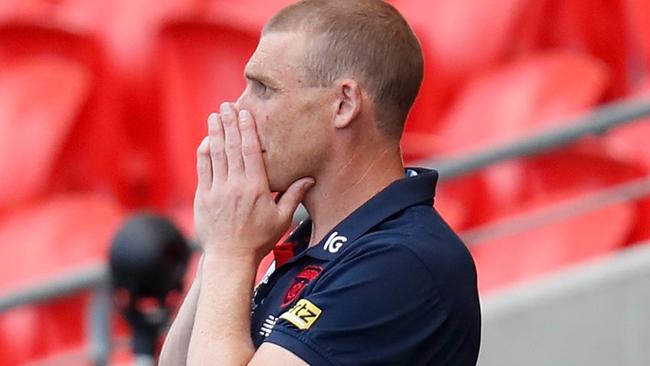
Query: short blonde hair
x: 368, y: 40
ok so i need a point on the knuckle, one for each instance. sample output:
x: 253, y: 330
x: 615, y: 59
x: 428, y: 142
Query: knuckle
x: 214, y: 145
x: 200, y: 152
x: 227, y: 121
x: 233, y: 145
x: 218, y: 154
x: 249, y: 149
x: 216, y: 132
x: 201, y: 168
x: 245, y: 125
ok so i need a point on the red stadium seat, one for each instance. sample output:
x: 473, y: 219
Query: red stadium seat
x: 554, y: 180
x: 458, y: 199
x: 53, y: 94
x: 240, y: 13
x: 631, y: 140
x: 62, y: 234
x: 501, y: 105
x: 508, y: 261
x: 463, y: 36
x: 532, y: 95
x: 13, y: 9
x: 123, y: 108
x: 59, y: 133
x: 631, y: 143
x: 37, y: 114
x: 591, y: 27
x: 459, y: 39
x: 199, y: 66
x: 508, y: 102
x: 637, y: 18
x: 36, y: 118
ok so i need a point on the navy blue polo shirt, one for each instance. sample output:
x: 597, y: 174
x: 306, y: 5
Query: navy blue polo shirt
x: 391, y: 284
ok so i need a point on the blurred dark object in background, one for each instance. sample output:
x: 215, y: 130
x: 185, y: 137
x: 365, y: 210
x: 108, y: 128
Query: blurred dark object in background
x: 148, y: 261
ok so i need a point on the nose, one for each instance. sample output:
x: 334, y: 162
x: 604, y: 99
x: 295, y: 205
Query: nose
x: 246, y: 101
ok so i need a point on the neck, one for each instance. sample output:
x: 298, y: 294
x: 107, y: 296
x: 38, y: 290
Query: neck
x: 345, y: 187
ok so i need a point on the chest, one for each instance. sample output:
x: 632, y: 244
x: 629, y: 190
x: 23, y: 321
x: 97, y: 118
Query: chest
x: 278, y: 292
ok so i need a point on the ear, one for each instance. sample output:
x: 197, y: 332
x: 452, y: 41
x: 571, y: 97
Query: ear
x: 348, y: 102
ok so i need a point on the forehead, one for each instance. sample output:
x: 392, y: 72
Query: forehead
x: 279, y: 56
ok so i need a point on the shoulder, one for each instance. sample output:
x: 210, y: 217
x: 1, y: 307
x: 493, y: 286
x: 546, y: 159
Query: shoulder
x: 421, y: 231
x: 419, y: 238
x: 382, y: 299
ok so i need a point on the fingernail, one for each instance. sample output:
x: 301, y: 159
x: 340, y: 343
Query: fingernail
x: 212, y: 118
x: 243, y: 116
x: 309, y: 184
x: 224, y: 106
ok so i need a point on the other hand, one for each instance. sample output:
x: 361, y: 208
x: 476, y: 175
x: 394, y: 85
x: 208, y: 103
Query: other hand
x: 235, y: 213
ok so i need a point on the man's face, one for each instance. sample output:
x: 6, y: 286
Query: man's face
x: 293, y: 117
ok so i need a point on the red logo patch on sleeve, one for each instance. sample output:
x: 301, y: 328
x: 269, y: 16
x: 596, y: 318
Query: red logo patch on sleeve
x: 302, y: 279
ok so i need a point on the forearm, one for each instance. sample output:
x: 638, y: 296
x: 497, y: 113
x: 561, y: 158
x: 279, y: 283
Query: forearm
x: 177, y: 341
x: 221, y: 332
x: 237, y: 220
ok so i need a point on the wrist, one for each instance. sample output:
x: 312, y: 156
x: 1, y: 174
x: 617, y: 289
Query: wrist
x: 231, y: 259
x: 231, y: 273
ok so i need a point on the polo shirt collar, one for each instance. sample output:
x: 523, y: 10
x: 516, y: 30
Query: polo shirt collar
x: 418, y: 187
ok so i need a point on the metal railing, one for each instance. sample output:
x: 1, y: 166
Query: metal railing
x: 597, y: 122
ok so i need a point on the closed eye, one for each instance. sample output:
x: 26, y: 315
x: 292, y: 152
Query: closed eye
x: 260, y: 87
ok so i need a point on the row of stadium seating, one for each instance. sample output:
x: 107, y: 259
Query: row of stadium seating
x: 102, y: 105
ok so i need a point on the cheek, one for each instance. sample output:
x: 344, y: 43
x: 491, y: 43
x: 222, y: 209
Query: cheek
x: 265, y: 128
x: 285, y: 127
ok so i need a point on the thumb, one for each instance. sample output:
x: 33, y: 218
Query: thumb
x: 293, y: 195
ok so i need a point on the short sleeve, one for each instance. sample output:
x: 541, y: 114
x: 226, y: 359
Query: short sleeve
x: 377, y: 306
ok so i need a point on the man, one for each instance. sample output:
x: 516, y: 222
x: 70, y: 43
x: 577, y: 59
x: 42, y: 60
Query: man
x: 375, y: 276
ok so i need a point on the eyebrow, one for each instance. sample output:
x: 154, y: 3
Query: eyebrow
x: 251, y: 75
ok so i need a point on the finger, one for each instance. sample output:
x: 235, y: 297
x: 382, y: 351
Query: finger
x: 290, y: 199
x: 250, y: 147
x: 203, y: 165
x: 217, y: 149
x: 233, y: 141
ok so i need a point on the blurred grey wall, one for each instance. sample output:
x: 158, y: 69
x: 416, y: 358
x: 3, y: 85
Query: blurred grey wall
x: 595, y: 314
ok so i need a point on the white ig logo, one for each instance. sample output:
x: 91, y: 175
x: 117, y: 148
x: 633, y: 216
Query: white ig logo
x: 334, y: 242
